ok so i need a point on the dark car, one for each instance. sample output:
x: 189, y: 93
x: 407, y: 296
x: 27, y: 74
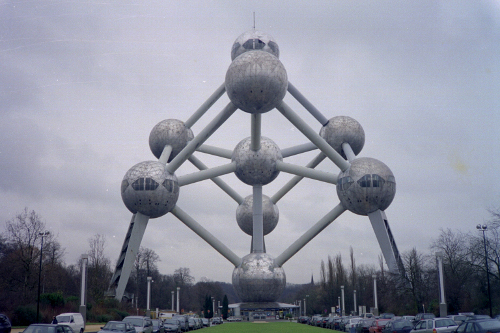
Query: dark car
x: 364, y: 325
x: 303, y: 320
x: 48, y: 328
x: 398, y: 326
x: 476, y: 317
x: 5, y: 325
x: 157, y: 326
x: 172, y: 325
x: 117, y: 326
x: 421, y: 316
x: 479, y: 326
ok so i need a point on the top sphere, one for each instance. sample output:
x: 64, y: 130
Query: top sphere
x: 342, y: 129
x: 254, y: 40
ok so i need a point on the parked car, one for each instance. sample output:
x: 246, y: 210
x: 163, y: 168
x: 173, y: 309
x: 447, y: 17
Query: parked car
x: 386, y: 316
x: 363, y: 326
x: 398, y: 326
x: 117, y: 326
x: 458, y: 318
x: 351, y: 322
x: 378, y: 325
x: 421, y: 316
x: 5, y: 325
x: 157, y: 326
x: 435, y: 325
x: 218, y: 320
x: 335, y: 325
x: 140, y: 323
x: 48, y: 328
x: 302, y: 320
x: 205, y: 321
x: 409, y: 318
x: 480, y: 326
x: 183, y: 320
x: 475, y: 317
x: 172, y: 325
x: 73, y: 320
x: 232, y: 318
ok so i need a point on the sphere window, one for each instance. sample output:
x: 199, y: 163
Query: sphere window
x: 254, y: 44
x: 168, y: 184
x: 377, y: 181
x: 145, y: 184
x: 365, y: 181
x: 345, y: 182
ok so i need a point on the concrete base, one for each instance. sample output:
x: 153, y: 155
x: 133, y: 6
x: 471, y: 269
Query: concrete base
x: 83, y: 312
x: 443, y: 310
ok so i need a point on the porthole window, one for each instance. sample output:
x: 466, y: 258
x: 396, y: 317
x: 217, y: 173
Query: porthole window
x: 145, y: 184
x: 254, y: 44
x: 377, y: 181
x: 365, y: 181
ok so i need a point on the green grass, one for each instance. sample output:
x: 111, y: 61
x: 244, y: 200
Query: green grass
x: 258, y: 327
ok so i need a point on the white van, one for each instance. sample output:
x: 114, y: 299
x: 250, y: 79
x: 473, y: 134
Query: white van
x: 73, y: 320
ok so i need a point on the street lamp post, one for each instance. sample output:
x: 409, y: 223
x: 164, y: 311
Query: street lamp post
x: 343, y: 300
x: 305, y: 309
x: 148, y: 308
x: 375, y: 310
x: 443, y: 311
x: 83, y: 298
x: 42, y: 234
x: 483, y: 229
x: 355, y: 310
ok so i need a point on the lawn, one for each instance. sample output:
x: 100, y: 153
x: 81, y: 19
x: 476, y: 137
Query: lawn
x: 258, y: 327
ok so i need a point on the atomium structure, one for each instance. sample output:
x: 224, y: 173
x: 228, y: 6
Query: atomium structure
x: 256, y: 82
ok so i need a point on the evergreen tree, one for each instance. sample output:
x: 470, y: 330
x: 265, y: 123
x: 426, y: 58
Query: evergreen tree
x: 225, y: 307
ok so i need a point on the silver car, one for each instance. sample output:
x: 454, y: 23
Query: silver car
x: 435, y: 325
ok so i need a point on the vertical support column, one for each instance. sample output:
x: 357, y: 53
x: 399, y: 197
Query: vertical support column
x: 305, y: 306
x: 443, y: 309
x: 178, y: 308
x: 83, y: 298
x: 300, y: 307
x: 258, y: 221
x: 339, y: 306
x: 148, y: 300
x: 343, y: 300
x: 173, y: 301
x: 355, y: 307
x: 375, y: 309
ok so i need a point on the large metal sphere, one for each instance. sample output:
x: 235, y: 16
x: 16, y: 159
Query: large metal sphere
x: 343, y: 129
x: 367, y: 185
x: 256, y: 167
x: 150, y: 189
x: 244, y: 215
x: 254, y: 40
x: 171, y: 132
x: 256, y: 82
x: 258, y: 279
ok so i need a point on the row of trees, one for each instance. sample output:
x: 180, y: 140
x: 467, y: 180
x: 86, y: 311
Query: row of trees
x: 20, y: 269
x: 465, y: 278
x: 464, y: 272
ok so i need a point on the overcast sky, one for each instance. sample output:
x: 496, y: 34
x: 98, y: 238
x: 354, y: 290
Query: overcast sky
x: 82, y: 83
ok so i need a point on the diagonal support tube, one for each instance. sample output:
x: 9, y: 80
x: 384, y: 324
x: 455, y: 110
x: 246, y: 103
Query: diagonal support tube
x: 313, y: 136
x: 206, y: 236
x: 306, y: 172
x: 219, y: 182
x: 205, y: 106
x: 303, y: 148
x: 295, y: 180
x: 349, y: 153
x: 309, y: 235
x: 216, y: 151
x: 207, y: 174
x: 308, y: 105
x: 202, y: 137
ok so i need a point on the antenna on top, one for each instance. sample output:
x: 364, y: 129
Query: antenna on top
x: 253, y: 20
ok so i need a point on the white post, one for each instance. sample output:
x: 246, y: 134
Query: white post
x: 443, y: 311
x: 148, y: 308
x: 300, y: 307
x: 173, y: 301
x: 343, y: 300
x: 375, y: 293
x: 83, y: 307
x: 178, y: 308
x: 354, y: 301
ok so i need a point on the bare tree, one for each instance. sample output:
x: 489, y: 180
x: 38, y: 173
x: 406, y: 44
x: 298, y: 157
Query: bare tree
x: 99, y: 268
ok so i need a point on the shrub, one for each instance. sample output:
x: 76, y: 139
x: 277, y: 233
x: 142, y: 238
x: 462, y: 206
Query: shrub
x: 24, y: 315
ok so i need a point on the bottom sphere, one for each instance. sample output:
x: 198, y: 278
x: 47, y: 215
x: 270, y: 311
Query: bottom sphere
x: 258, y: 279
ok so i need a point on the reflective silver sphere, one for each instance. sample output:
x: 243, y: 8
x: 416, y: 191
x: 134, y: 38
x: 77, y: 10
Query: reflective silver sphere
x: 256, y: 82
x: 171, y: 132
x: 256, y: 167
x: 343, y: 129
x: 254, y: 40
x: 244, y: 215
x: 258, y: 279
x: 367, y: 185
x: 150, y: 189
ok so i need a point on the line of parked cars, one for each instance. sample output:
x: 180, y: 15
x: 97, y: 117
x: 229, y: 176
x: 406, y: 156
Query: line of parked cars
x: 421, y: 323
